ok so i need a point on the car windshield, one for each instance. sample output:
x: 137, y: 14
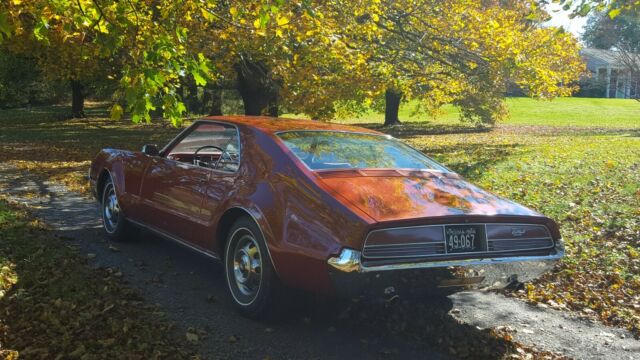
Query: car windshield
x: 321, y: 150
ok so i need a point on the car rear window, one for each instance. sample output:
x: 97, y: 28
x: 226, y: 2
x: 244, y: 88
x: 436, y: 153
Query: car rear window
x: 321, y: 150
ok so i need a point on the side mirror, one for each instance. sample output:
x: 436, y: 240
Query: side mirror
x: 150, y: 150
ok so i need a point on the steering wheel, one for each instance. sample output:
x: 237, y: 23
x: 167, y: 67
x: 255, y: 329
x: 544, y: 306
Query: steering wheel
x: 195, y: 154
x: 229, y: 158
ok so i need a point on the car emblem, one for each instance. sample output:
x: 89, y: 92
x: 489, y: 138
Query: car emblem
x: 518, y: 231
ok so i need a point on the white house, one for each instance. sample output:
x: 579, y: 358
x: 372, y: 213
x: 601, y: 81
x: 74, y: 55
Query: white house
x: 607, y: 69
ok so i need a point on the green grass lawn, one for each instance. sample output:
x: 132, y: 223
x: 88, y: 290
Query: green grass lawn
x: 575, y: 160
x: 611, y: 113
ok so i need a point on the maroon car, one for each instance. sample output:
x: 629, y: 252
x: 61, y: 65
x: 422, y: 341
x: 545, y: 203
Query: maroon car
x: 327, y: 208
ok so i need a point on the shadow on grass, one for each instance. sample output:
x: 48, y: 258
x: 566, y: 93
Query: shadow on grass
x: 37, y: 135
x: 418, y: 128
x: 542, y: 131
x: 470, y: 160
x: 634, y: 133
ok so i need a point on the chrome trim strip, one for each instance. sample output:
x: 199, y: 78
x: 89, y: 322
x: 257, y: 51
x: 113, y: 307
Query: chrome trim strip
x: 363, y: 170
x: 444, y: 254
x: 523, y: 239
x: 444, y: 239
x: 405, y: 244
x: 182, y: 242
x: 350, y: 260
x: 486, y: 239
x: 335, y: 131
x: 436, y: 264
x: 519, y: 241
x: 430, y: 251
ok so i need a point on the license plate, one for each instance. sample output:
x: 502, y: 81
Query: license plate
x: 464, y: 238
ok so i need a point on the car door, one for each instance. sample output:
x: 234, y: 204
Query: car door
x: 176, y: 182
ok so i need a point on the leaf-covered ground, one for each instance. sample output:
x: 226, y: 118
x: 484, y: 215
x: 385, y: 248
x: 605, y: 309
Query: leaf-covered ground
x: 55, y: 307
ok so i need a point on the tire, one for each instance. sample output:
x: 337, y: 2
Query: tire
x: 250, y: 276
x: 113, y: 220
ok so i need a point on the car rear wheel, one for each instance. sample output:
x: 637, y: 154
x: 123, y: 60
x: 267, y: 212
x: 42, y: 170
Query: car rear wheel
x: 251, y: 279
x: 115, y: 224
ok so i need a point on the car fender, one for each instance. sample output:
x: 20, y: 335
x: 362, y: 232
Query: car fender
x: 109, y: 162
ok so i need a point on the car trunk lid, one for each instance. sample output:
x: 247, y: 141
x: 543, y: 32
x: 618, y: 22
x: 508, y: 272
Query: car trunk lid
x: 390, y: 195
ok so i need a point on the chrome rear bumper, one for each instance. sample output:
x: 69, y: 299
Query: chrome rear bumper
x: 352, y: 276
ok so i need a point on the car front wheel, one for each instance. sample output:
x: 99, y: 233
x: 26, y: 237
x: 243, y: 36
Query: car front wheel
x: 113, y: 220
x: 250, y: 276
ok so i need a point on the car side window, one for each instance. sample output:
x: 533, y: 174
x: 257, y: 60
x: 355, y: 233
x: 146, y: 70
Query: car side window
x: 212, y: 145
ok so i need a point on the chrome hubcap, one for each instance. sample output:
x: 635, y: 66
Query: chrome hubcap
x: 111, y: 210
x: 247, y: 265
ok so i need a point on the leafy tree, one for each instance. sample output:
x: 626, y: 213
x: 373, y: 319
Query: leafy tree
x: 315, y: 57
x: 621, y: 33
x: 22, y: 84
x: 161, y: 45
x: 74, y: 39
x: 286, y: 54
x: 58, y: 39
x: 464, y: 52
x: 586, y: 7
x: 311, y: 57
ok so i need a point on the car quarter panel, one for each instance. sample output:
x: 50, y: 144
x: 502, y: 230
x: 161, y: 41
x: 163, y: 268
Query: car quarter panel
x: 302, y: 224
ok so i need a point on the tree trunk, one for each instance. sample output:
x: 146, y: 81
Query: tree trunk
x: 258, y: 91
x: 77, y: 99
x: 192, y: 102
x: 216, y: 102
x: 273, y: 105
x: 253, y: 102
x: 253, y: 96
x: 392, y: 105
x: 212, y: 101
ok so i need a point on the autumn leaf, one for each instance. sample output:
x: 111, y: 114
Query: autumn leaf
x: 192, y: 337
x: 5, y: 28
x: 614, y: 12
x: 116, y: 112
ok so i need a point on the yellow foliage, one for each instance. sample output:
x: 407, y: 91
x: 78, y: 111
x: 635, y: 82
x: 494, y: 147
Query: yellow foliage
x: 319, y: 55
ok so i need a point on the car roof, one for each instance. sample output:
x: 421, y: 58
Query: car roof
x: 273, y: 125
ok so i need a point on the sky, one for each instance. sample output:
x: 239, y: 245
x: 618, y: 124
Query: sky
x: 561, y: 18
